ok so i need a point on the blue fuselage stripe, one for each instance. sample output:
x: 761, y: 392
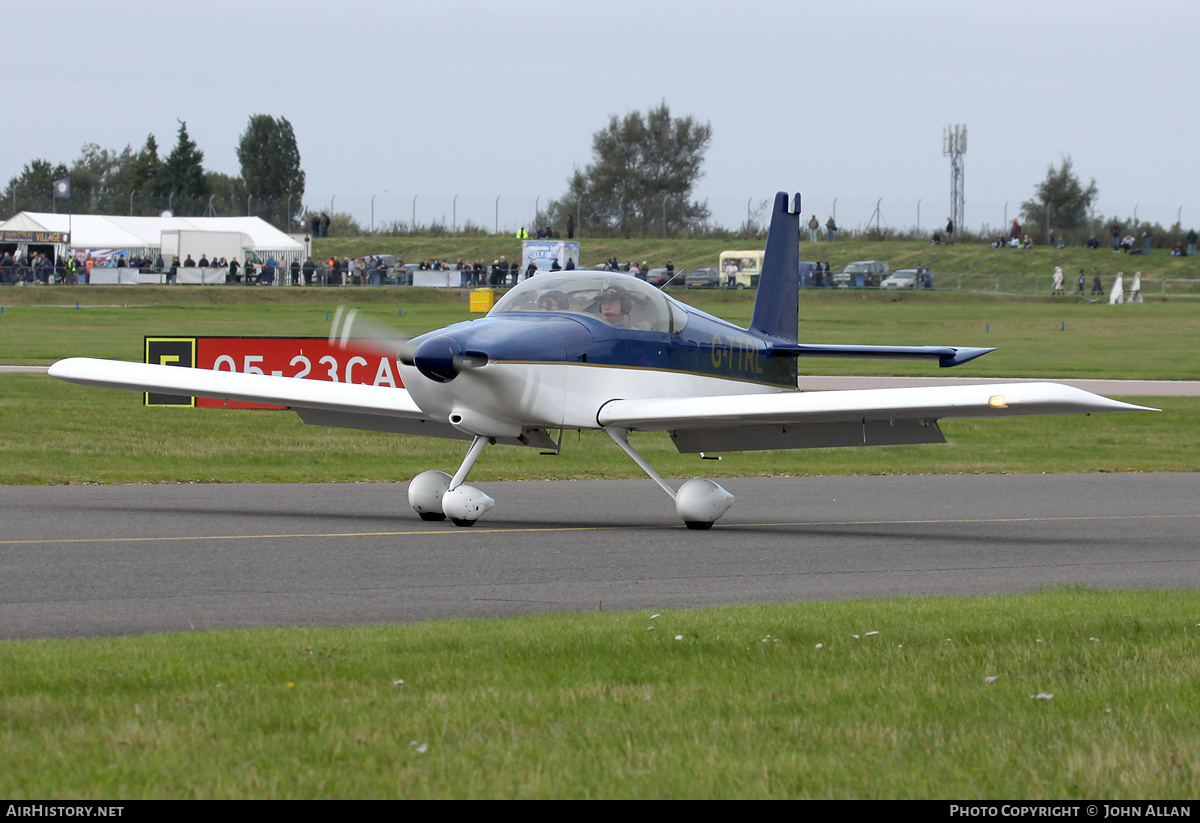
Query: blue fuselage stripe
x: 705, y: 346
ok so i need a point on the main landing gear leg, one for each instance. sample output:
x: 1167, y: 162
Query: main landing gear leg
x: 699, y: 503
x: 436, y: 495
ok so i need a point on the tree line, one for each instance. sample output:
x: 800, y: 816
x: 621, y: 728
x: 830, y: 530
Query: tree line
x: 639, y: 182
x: 140, y: 183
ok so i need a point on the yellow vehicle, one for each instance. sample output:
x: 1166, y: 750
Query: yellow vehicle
x: 749, y: 267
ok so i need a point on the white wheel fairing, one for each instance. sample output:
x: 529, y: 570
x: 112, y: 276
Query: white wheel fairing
x: 701, y: 501
x: 466, y: 504
x: 425, y: 493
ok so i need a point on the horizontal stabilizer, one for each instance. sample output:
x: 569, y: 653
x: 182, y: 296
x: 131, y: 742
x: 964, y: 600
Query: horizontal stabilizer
x: 946, y: 355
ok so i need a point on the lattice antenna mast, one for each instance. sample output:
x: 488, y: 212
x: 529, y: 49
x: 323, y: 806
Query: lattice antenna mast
x: 954, y: 146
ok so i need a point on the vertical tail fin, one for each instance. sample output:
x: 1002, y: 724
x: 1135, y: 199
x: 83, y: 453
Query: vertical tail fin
x: 777, y: 306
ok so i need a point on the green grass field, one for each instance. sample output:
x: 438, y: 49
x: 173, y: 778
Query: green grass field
x: 1035, y: 337
x: 896, y: 698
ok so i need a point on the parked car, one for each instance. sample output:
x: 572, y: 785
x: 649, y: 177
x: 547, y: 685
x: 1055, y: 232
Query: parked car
x: 862, y: 274
x: 902, y: 279
x: 662, y: 278
x: 705, y: 278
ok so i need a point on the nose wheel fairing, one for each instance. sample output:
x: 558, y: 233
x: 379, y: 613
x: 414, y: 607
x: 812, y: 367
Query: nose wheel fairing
x: 435, y: 495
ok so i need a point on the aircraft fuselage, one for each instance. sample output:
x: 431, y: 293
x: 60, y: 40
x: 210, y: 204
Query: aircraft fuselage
x: 499, y: 374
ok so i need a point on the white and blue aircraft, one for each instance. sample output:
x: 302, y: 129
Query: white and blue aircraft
x: 600, y: 350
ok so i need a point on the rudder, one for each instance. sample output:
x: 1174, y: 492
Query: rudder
x: 777, y: 305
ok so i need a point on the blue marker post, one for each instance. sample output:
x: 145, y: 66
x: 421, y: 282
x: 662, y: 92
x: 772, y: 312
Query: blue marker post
x: 326, y: 317
x: 399, y: 312
x: 987, y: 329
x: 1063, y: 327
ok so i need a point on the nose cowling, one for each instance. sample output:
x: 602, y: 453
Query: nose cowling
x: 438, y: 358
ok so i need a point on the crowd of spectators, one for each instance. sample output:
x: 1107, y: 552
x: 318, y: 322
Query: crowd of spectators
x: 1123, y: 240
x: 28, y: 268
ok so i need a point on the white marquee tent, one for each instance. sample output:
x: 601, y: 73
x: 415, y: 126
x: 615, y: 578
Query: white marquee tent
x: 144, y: 235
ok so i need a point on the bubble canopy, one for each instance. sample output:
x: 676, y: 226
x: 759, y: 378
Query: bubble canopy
x: 578, y: 292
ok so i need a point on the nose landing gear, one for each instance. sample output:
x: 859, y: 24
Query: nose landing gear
x: 435, y: 495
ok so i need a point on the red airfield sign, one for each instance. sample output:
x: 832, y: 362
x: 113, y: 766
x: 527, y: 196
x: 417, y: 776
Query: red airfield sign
x: 310, y: 358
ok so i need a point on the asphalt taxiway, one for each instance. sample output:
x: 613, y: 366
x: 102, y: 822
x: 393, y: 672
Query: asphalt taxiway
x: 93, y: 560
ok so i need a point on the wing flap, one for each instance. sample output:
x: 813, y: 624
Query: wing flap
x: 807, y: 436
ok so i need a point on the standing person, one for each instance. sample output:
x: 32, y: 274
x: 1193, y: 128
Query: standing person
x: 731, y: 271
x: 1191, y: 241
x: 831, y: 227
x: 308, y: 268
x: 814, y: 226
x: 1097, y: 288
x: 324, y: 224
x: 295, y: 270
x: 1148, y: 236
x: 949, y: 232
x: 1115, y: 231
x: 1079, y: 282
x: 570, y: 227
x: 1014, y: 231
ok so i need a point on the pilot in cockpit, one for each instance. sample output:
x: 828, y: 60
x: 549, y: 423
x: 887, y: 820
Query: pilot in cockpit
x: 615, y: 304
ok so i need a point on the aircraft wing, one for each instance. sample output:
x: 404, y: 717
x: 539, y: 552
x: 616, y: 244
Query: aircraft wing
x: 318, y: 402
x: 796, y: 420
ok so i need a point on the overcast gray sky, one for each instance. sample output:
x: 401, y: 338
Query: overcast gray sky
x: 482, y: 100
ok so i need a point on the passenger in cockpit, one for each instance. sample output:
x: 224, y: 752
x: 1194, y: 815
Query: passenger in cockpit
x: 553, y: 300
